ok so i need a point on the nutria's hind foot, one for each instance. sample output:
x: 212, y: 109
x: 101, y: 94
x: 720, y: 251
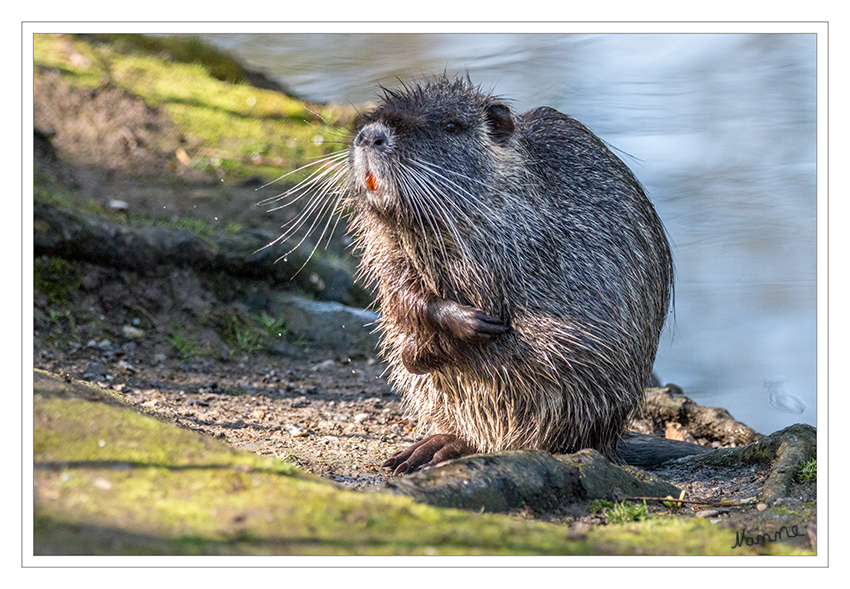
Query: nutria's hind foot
x: 428, y: 451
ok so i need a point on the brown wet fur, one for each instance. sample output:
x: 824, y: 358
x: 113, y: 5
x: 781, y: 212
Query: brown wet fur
x: 522, y: 275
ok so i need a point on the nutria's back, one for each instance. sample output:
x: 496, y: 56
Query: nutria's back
x: 523, y: 275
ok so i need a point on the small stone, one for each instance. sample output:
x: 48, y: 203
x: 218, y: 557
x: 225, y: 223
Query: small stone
x: 258, y: 414
x: 102, y: 483
x: 118, y: 206
x: 675, y: 431
x: 761, y: 506
x: 295, y: 431
x: 123, y: 367
x: 361, y: 417
x: 707, y: 513
x: 323, y: 365
x: 132, y: 332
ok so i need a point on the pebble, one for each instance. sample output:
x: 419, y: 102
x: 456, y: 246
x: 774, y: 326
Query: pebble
x: 361, y: 417
x: 296, y: 431
x: 119, y: 206
x: 323, y: 365
x: 761, y: 506
x: 124, y: 366
x: 102, y: 483
x: 133, y: 332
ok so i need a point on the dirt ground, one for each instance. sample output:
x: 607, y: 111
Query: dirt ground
x: 332, y: 415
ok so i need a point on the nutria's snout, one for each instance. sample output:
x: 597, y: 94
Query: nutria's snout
x: 374, y: 136
x: 371, y: 146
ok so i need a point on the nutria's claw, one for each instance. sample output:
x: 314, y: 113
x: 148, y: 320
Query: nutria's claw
x: 431, y: 450
x: 485, y: 327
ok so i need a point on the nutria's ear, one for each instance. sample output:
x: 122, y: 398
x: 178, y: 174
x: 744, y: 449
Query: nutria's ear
x: 499, y: 121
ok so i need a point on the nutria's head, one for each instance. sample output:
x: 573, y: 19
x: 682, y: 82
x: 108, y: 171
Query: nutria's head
x: 427, y: 152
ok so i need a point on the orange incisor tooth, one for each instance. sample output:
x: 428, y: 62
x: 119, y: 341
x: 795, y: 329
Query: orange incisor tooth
x: 371, y: 181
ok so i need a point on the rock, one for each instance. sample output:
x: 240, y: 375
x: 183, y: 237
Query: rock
x: 784, y: 450
x: 118, y: 206
x: 668, y: 405
x: 645, y: 451
x: 132, y: 332
x: 517, y: 479
x: 327, y: 324
x: 73, y: 235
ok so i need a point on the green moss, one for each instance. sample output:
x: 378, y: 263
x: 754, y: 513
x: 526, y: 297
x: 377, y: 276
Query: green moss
x: 197, y: 226
x: 47, y: 190
x: 218, y: 64
x: 109, y: 480
x: 201, y: 90
x: 56, y: 279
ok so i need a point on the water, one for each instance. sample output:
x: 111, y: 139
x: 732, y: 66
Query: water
x: 720, y: 129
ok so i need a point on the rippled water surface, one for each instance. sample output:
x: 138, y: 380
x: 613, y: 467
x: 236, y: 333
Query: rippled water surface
x: 720, y: 129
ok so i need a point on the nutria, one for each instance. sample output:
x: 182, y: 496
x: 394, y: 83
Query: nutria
x: 522, y: 274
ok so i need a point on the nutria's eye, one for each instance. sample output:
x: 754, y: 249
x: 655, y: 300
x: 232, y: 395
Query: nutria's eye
x: 451, y: 127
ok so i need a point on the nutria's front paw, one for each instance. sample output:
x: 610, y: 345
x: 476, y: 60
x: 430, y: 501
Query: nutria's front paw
x: 466, y: 323
x: 431, y: 450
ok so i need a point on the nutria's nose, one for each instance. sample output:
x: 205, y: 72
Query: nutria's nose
x: 373, y: 135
